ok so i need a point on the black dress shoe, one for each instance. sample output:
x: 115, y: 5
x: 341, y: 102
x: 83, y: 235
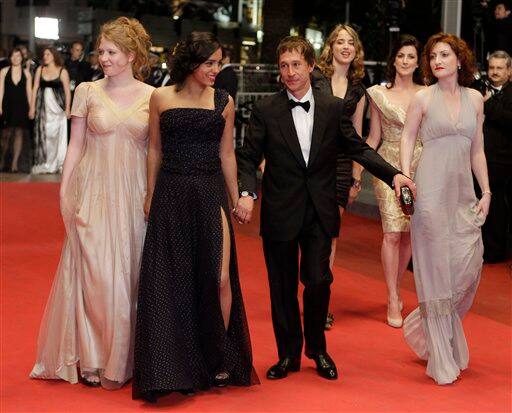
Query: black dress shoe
x: 325, y: 366
x: 283, y: 366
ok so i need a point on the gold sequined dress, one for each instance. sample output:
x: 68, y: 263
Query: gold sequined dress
x: 392, y: 124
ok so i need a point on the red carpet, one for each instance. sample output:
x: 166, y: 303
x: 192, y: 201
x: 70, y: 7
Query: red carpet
x: 378, y: 371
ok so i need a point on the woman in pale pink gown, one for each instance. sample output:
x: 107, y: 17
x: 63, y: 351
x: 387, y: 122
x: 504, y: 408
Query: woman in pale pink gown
x: 87, y: 328
x: 445, y: 228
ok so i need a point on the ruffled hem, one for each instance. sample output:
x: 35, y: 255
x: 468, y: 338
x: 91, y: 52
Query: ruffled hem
x: 434, y: 332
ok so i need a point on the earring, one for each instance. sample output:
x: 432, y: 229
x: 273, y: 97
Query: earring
x: 459, y: 67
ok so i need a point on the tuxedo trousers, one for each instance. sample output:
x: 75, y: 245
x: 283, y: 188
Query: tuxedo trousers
x: 305, y: 256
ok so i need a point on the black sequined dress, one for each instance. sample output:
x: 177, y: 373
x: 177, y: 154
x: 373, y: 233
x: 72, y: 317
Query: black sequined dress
x: 180, y: 339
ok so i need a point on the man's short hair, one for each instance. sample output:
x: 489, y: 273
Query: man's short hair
x: 505, y: 4
x: 501, y: 54
x: 79, y: 43
x: 297, y: 44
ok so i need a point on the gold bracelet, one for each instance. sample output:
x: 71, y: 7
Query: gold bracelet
x: 487, y: 192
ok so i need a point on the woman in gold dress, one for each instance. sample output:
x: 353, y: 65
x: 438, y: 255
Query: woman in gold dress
x: 388, y: 108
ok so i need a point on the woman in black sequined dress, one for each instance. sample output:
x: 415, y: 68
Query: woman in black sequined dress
x: 191, y: 330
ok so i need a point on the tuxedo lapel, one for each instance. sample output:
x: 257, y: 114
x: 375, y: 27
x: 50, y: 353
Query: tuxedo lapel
x: 285, y: 122
x: 319, y: 124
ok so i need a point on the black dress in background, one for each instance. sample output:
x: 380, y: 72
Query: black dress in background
x: 180, y: 339
x: 15, y: 102
x: 344, y: 163
x: 15, y: 106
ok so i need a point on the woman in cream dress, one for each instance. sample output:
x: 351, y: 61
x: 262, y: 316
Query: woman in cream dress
x: 388, y: 107
x: 89, y: 318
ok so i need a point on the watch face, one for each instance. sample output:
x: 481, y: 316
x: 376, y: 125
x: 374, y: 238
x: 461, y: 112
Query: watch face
x: 245, y: 193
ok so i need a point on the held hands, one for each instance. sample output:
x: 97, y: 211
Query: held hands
x: 243, y: 210
x: 400, y: 180
x: 353, y: 193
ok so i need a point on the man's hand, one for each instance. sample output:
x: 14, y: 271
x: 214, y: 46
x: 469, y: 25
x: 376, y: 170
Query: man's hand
x: 400, y: 180
x: 243, y: 209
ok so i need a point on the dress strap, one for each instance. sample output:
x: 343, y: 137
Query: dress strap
x: 221, y: 99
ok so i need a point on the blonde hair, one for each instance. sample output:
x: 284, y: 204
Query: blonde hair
x: 131, y: 37
x: 356, y: 69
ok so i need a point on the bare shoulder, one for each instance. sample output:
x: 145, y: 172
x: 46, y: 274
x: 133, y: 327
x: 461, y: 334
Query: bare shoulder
x: 475, y: 95
x: 3, y: 71
x: 421, y: 98
x: 476, y: 98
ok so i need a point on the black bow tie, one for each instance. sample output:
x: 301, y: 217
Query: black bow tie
x: 305, y: 105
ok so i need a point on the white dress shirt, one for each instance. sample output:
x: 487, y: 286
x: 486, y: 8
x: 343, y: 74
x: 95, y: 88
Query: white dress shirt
x: 303, y: 122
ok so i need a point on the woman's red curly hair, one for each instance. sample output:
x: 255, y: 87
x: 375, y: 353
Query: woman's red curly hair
x: 462, y: 51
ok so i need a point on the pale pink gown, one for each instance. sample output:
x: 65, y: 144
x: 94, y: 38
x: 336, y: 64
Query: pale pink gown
x: 89, y: 317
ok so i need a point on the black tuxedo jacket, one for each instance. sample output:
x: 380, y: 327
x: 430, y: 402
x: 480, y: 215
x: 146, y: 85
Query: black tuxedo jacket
x: 227, y: 80
x: 498, y: 129
x: 287, y: 181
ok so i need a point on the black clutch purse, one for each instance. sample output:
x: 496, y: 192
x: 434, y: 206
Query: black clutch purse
x: 406, y: 201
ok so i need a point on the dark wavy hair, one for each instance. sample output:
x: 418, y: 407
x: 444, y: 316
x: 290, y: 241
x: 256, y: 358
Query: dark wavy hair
x: 189, y: 54
x: 57, y: 57
x: 462, y: 51
x: 405, y: 40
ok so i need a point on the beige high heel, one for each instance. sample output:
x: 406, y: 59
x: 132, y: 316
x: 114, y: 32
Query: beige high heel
x: 396, y: 322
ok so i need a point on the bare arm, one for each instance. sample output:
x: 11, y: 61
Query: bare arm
x: 28, y: 85
x: 74, y: 153
x: 357, y: 121
x: 375, y: 134
x: 64, y: 77
x: 410, y: 132
x: 154, y: 158
x: 227, y: 152
x: 478, y: 161
x: 37, y: 79
x: 2, y: 86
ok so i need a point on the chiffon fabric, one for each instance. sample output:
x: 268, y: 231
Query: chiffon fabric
x: 392, y: 124
x: 446, y: 239
x: 90, y: 314
x: 50, y: 127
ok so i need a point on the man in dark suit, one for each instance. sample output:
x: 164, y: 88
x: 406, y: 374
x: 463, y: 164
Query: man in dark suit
x: 298, y: 132
x: 226, y: 79
x: 496, y: 232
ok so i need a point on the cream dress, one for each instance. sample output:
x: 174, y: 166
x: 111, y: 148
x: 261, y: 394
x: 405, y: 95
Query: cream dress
x: 90, y: 314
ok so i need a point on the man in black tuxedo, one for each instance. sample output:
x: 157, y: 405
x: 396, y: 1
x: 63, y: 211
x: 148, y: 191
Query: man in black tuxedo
x: 226, y: 79
x: 298, y: 132
x: 497, y: 230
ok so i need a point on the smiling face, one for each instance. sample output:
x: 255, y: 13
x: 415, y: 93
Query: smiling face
x: 206, y: 73
x: 112, y: 59
x: 16, y: 58
x: 295, y: 71
x: 443, y: 60
x: 343, y: 48
x: 406, y: 61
